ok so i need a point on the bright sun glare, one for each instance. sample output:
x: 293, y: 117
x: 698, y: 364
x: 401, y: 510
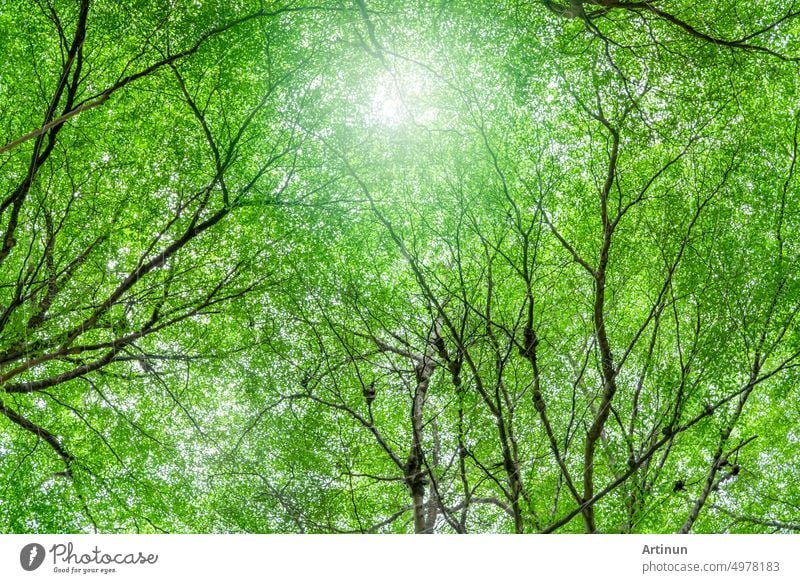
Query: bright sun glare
x: 397, y: 100
x: 389, y: 109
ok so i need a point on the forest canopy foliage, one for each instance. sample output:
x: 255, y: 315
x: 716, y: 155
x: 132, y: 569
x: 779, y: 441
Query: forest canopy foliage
x: 377, y: 266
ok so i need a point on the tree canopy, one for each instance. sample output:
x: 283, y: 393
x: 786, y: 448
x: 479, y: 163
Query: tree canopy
x: 369, y: 266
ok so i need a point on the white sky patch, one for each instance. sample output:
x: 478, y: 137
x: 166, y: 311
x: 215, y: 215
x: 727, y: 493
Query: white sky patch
x: 401, y: 98
x: 388, y: 107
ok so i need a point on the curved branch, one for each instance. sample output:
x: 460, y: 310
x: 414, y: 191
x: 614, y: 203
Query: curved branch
x: 40, y: 432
